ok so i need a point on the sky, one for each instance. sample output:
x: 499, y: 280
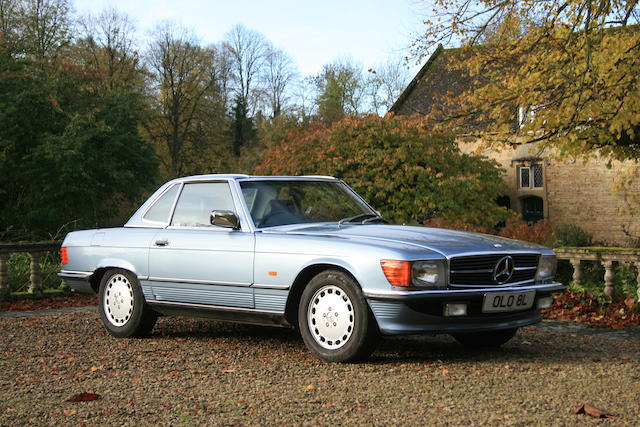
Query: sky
x: 314, y: 33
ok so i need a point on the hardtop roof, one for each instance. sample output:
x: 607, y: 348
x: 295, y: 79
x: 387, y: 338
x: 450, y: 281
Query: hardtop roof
x: 244, y: 176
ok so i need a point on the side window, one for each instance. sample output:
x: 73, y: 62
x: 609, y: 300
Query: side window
x: 531, y: 176
x: 197, y: 200
x: 537, y: 176
x: 525, y: 177
x: 161, y: 209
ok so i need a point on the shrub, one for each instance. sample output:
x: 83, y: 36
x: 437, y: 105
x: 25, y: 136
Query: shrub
x: 398, y: 165
x: 539, y: 232
x: 515, y: 228
x: 570, y: 235
x: 455, y: 225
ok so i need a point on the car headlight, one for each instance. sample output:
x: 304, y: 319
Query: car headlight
x: 546, y: 267
x: 425, y: 273
x: 428, y: 274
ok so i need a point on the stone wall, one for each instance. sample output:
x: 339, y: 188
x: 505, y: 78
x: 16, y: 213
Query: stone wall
x: 574, y: 192
x: 582, y: 193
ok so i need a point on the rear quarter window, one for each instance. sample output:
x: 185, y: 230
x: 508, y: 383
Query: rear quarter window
x: 160, y: 211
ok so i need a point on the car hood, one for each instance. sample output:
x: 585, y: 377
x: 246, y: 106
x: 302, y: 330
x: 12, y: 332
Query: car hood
x: 446, y: 242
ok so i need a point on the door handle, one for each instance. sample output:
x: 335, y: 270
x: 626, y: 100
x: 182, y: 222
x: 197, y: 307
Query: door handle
x: 162, y: 242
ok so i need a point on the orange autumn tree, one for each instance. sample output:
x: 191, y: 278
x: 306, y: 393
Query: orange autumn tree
x: 398, y: 165
x: 570, y: 66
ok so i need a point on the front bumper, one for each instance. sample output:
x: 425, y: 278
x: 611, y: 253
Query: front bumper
x: 413, y: 312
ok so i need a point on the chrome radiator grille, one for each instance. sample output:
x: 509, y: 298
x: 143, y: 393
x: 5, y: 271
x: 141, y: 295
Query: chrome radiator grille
x: 479, y: 269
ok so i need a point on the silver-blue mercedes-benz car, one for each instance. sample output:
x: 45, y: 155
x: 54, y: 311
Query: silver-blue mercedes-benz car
x: 306, y: 252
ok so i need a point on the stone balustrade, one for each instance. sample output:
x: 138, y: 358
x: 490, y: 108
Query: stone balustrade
x: 608, y: 257
x: 35, y: 251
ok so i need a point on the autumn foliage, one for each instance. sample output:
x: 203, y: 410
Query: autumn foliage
x: 584, y: 306
x: 539, y: 232
x: 571, y: 66
x: 398, y: 165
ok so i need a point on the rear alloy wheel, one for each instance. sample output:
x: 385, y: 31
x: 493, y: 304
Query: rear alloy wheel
x: 486, y: 339
x: 334, y: 319
x: 123, y: 309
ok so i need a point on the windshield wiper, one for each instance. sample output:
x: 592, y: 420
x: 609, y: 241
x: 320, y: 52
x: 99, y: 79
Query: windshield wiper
x: 366, y: 217
x: 375, y: 218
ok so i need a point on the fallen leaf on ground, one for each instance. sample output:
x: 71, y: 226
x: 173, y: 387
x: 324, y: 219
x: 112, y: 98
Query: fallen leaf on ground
x: 93, y: 369
x: 591, y: 411
x: 69, y: 412
x: 83, y: 397
x: 311, y: 387
x: 629, y: 302
x: 228, y: 371
x: 48, y: 303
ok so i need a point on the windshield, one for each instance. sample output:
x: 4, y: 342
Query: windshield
x: 276, y: 202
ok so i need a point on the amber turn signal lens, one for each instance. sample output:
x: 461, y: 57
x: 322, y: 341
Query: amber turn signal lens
x: 398, y: 273
x: 64, y: 257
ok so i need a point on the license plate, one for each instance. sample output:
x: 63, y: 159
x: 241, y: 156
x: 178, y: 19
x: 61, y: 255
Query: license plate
x: 496, y: 302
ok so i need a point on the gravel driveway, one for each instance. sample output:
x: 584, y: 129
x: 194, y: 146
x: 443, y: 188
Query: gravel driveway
x: 204, y: 372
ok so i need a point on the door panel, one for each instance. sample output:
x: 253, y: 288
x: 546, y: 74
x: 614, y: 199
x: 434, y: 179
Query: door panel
x: 195, y: 262
x: 202, y: 267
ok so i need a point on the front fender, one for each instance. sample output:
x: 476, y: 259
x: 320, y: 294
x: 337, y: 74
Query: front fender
x: 329, y: 261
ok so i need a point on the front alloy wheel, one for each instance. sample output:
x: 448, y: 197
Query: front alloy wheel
x: 334, y: 318
x: 330, y: 317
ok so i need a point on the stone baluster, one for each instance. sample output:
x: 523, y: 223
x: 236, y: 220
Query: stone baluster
x: 578, y: 274
x: 609, y: 276
x: 4, y: 279
x: 35, y: 278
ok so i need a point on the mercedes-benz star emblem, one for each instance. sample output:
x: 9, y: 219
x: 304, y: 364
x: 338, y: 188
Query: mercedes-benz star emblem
x: 503, y: 270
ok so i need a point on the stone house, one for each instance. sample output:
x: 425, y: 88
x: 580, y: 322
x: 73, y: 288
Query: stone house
x: 536, y: 184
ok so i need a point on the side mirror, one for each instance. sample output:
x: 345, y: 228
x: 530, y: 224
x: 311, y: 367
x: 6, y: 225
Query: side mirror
x: 226, y: 219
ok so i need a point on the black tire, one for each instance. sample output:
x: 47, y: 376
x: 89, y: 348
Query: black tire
x: 352, y: 335
x: 486, y: 339
x: 128, y: 315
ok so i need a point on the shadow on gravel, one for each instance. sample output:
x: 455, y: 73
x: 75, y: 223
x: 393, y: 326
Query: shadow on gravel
x: 530, y: 344
x: 420, y: 349
x: 214, y: 329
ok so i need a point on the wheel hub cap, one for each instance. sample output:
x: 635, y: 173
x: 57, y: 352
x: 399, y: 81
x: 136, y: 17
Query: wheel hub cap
x: 118, y: 300
x: 331, y: 317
